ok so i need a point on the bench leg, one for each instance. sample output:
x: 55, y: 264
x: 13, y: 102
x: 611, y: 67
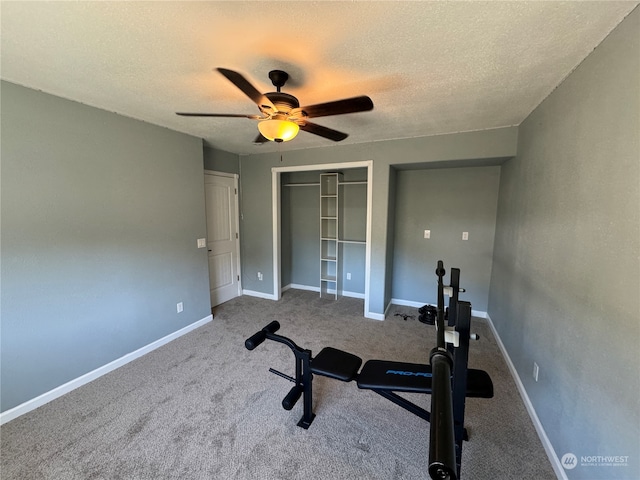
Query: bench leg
x: 404, y: 403
x: 304, y: 376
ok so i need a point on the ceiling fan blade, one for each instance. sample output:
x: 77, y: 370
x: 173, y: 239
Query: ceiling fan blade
x: 339, y: 107
x: 325, y: 132
x: 260, y: 139
x: 247, y: 88
x: 230, y: 115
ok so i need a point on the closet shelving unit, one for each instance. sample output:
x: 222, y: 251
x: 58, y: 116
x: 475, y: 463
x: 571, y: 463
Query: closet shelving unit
x: 329, y: 208
x: 332, y: 231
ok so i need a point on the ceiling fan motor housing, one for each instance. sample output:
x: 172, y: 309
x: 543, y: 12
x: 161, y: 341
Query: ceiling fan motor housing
x: 283, y: 101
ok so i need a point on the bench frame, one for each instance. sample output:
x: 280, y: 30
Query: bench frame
x: 459, y: 318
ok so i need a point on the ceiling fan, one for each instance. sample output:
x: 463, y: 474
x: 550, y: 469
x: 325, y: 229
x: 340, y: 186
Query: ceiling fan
x: 281, y: 116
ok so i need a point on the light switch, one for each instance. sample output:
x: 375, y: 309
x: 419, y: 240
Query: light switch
x: 427, y: 234
x: 202, y: 242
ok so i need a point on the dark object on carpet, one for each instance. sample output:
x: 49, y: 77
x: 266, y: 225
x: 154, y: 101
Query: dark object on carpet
x: 428, y: 314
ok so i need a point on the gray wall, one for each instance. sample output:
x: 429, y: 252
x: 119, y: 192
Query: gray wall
x: 285, y: 238
x: 256, y: 227
x: 100, y: 216
x: 447, y: 202
x: 353, y: 226
x: 221, y: 161
x: 565, y: 283
x: 301, y: 235
x: 391, y: 232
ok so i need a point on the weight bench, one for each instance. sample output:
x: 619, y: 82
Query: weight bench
x: 386, y: 378
x: 381, y: 376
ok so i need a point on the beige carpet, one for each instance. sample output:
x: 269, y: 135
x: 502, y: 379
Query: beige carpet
x: 203, y: 407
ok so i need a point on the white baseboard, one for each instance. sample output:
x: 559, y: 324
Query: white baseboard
x: 345, y: 293
x: 98, y: 372
x: 546, y: 443
x: 252, y: 293
x: 405, y: 303
x: 297, y: 286
x: 375, y: 316
x: 411, y: 303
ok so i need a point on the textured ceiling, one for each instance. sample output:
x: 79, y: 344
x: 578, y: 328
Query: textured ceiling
x: 430, y: 67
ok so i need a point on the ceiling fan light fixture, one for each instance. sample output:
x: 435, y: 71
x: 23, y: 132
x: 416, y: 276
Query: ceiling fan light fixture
x: 278, y: 130
x: 281, y: 116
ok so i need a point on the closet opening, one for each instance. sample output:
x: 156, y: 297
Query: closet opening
x: 322, y: 231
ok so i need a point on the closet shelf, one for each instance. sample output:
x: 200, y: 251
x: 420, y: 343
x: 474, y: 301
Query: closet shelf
x: 301, y: 184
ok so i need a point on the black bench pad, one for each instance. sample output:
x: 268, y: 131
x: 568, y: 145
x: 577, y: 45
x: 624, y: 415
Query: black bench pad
x: 416, y: 377
x: 334, y: 363
x: 397, y: 376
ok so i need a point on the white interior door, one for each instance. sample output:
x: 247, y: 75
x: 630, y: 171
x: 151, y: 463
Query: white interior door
x: 222, y: 237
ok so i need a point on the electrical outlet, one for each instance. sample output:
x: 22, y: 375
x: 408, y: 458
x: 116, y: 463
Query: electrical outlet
x: 465, y: 235
x: 536, y: 371
x: 179, y: 307
x: 260, y: 276
x: 348, y: 276
x: 427, y: 234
